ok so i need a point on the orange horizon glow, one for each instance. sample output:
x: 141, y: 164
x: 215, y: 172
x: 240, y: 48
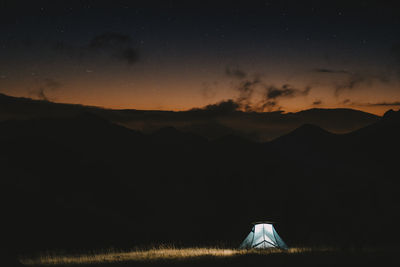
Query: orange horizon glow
x: 103, y: 103
x: 171, y: 92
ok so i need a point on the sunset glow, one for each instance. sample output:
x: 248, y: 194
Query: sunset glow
x: 148, y: 65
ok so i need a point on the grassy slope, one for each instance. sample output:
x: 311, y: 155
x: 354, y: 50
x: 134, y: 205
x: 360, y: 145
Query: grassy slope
x: 223, y: 257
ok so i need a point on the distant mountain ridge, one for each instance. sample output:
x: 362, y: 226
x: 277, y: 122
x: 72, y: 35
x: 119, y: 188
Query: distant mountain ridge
x: 254, y: 126
x: 84, y: 175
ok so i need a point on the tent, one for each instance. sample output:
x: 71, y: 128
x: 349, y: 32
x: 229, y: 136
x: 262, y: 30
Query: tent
x: 263, y: 235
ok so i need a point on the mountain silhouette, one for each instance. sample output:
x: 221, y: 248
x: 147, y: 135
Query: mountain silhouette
x: 338, y: 120
x: 306, y: 133
x: 90, y: 182
x: 259, y: 127
x: 171, y: 136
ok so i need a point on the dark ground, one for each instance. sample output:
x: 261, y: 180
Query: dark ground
x: 339, y: 258
x: 84, y: 182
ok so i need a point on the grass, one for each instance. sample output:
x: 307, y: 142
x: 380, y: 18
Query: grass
x: 172, y: 256
x: 153, y: 254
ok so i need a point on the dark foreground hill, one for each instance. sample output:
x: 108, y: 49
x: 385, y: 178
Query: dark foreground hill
x: 207, y: 123
x: 83, y: 181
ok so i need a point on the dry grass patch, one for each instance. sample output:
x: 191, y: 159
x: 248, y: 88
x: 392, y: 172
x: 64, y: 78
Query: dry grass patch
x: 153, y: 254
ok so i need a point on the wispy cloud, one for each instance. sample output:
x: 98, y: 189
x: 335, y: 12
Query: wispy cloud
x: 116, y: 45
x: 45, y: 85
x: 286, y: 91
x: 384, y: 104
x: 330, y: 71
x: 371, y: 104
x: 235, y: 72
x: 249, y: 90
x: 353, y: 80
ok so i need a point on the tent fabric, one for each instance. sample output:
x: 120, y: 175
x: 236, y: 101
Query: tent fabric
x: 263, y: 235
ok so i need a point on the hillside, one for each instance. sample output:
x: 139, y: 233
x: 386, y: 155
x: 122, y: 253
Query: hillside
x: 89, y: 182
x: 209, y: 124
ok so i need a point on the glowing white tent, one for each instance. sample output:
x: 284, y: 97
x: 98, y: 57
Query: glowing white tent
x: 263, y: 235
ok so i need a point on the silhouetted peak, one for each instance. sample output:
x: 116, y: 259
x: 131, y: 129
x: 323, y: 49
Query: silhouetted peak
x: 90, y: 116
x: 169, y: 130
x: 232, y: 140
x: 388, y: 113
x: 11, y: 99
x: 336, y: 113
x: 310, y: 129
x: 392, y: 115
x: 3, y: 96
x: 304, y: 134
x: 172, y: 135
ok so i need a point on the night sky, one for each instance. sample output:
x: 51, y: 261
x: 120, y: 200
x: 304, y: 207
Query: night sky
x: 263, y: 55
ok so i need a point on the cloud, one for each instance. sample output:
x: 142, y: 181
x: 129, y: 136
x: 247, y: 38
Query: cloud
x: 208, y: 90
x: 384, y: 104
x: 369, y: 104
x: 249, y: 91
x: 273, y: 94
x: 269, y: 101
x: 116, y: 45
x: 129, y: 55
x: 225, y: 106
x: 235, y: 73
x: 330, y: 71
x: 232, y: 105
x: 353, y: 80
x: 41, y: 92
x: 267, y: 105
x: 286, y: 91
x: 317, y: 102
x: 246, y: 90
x: 350, y: 82
x: 356, y: 79
x: 50, y: 83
